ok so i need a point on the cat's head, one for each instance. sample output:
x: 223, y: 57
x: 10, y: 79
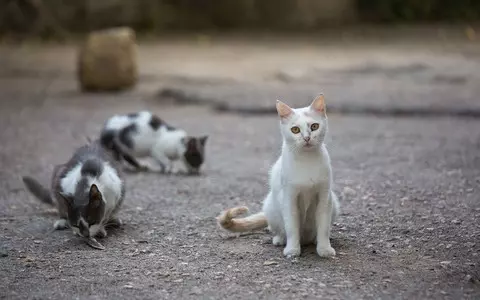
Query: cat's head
x: 194, y: 154
x: 84, y: 209
x: 303, y: 128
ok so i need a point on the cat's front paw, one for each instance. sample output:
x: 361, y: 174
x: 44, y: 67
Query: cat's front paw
x: 102, y: 233
x: 175, y: 171
x: 326, y: 251
x: 291, y: 252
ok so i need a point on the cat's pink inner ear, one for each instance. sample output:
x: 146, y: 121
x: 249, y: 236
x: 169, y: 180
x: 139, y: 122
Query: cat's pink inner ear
x: 318, y: 105
x: 284, y: 111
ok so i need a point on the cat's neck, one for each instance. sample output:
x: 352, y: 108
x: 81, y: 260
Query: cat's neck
x: 293, y: 153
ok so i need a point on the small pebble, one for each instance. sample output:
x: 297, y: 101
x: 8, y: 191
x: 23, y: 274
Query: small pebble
x: 270, y: 262
x: 349, y: 191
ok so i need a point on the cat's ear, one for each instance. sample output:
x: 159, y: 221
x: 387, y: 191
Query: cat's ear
x: 284, y: 111
x: 95, y: 197
x: 318, y: 105
x: 203, y: 140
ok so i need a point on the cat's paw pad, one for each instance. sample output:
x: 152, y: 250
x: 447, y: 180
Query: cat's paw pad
x: 278, y: 240
x: 60, y: 224
x: 291, y: 252
x: 326, y: 251
x: 102, y: 233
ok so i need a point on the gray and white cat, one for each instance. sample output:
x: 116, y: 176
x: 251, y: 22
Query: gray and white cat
x: 144, y: 135
x: 301, y: 204
x: 88, y: 191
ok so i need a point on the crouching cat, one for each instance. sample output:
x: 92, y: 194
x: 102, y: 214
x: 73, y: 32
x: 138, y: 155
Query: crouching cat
x: 145, y: 135
x: 88, y: 191
x: 301, y: 204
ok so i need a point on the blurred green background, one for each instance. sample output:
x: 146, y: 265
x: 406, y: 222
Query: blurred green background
x: 60, y: 18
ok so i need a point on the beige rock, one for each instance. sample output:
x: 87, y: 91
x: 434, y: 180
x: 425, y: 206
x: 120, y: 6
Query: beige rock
x: 108, y: 60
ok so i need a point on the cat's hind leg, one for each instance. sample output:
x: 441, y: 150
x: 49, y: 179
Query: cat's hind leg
x: 275, y: 221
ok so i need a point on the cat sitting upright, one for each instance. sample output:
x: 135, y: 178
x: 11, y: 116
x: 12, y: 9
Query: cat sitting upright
x: 145, y: 135
x: 301, y: 204
x: 88, y: 191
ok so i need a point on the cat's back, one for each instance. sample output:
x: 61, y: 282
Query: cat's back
x: 92, y: 151
x: 170, y: 137
x: 121, y: 121
x: 90, y: 163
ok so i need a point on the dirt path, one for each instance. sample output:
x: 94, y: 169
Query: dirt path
x: 410, y: 206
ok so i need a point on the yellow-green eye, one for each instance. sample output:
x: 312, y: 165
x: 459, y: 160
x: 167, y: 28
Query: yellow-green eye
x: 314, y: 126
x: 295, y: 129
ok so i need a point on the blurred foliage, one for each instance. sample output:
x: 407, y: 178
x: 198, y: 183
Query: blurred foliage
x: 419, y: 10
x: 61, y: 18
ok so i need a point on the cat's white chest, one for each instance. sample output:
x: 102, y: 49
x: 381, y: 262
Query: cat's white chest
x: 306, y: 174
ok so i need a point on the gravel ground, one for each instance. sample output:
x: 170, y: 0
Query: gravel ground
x: 408, y: 188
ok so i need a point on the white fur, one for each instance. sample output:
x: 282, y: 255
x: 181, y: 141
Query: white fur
x: 110, y: 186
x: 301, y: 204
x: 121, y: 121
x: 108, y: 183
x: 69, y: 182
x: 169, y: 149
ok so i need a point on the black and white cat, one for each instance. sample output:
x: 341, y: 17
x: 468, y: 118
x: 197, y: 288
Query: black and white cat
x: 88, y: 191
x: 144, y: 135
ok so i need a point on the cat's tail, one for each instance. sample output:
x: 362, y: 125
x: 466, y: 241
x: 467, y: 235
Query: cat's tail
x: 38, y: 190
x: 228, y: 220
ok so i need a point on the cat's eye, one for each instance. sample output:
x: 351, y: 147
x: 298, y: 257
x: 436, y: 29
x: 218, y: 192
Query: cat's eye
x: 314, y: 126
x: 295, y: 129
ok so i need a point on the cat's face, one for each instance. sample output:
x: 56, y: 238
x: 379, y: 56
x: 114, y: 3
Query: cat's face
x: 84, y: 210
x: 194, y: 154
x: 303, y: 128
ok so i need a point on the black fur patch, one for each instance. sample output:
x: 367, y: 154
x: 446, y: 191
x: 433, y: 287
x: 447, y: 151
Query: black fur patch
x: 106, y: 138
x: 92, y: 167
x: 132, y: 115
x: 155, y: 122
x: 125, y: 135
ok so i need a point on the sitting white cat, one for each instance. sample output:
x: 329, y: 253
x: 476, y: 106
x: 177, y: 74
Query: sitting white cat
x: 301, y: 205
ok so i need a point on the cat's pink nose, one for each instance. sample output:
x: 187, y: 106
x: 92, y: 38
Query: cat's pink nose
x: 307, y: 139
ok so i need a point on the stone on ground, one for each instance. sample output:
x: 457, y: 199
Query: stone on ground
x: 107, y: 61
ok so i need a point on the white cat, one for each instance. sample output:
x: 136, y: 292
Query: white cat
x: 301, y: 205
